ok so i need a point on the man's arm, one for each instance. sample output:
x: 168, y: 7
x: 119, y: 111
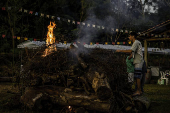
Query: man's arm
x: 130, y: 56
x: 125, y: 51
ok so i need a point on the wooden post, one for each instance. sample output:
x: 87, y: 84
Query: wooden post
x: 146, y: 53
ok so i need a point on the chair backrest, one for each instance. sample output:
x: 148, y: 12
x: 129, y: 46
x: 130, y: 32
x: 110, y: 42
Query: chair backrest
x: 162, y: 74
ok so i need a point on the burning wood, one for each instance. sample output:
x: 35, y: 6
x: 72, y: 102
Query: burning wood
x: 50, y: 41
x: 98, y: 73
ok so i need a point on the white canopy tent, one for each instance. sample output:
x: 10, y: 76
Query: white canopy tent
x: 116, y: 47
x: 28, y: 44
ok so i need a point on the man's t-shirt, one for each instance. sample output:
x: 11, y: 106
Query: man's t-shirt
x: 137, y: 52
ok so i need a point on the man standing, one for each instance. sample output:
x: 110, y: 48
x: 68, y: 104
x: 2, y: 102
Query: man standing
x: 137, y: 55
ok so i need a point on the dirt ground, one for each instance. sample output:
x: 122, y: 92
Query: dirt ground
x: 159, y: 95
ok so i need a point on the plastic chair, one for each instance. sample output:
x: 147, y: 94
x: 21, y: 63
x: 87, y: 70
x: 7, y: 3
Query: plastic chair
x: 162, y: 74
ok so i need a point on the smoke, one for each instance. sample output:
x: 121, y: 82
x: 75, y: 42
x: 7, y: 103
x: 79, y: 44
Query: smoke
x: 117, y: 14
x: 103, y: 18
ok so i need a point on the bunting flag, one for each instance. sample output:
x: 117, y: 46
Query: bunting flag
x: 30, y: 12
x: 58, y: 18
x: 91, y: 43
x: 65, y: 42
x: 78, y: 23
x: 42, y: 15
x: 97, y: 43
x: 48, y: 16
x: 31, y: 39
x: 57, y: 42
x: 35, y: 39
x: 25, y: 38
x: 9, y: 8
x: 124, y: 42
x: 106, y: 43
x: 88, y: 25
x: 129, y: 42
x: 3, y: 36
x: 36, y: 13
x: 118, y: 43
x: 3, y: 8
x: 69, y: 21
x: 20, y: 10
x: 18, y: 38
x: 52, y: 17
x: 64, y: 19
x: 103, y: 27
x: 25, y: 11
x: 14, y: 36
x: 113, y: 43
x: 84, y: 43
x: 148, y: 35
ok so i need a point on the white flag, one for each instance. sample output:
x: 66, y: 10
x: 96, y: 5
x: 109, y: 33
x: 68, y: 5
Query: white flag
x: 88, y: 25
x: 42, y: 14
x: 48, y: 16
x: 103, y: 27
x: 25, y: 11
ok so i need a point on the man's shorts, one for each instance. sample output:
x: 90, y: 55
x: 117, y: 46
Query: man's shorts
x: 131, y: 77
x: 138, y: 70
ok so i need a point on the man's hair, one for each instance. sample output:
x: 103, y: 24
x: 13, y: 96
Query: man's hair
x: 133, y: 34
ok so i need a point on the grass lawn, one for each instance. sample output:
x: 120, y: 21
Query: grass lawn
x: 159, y: 95
x: 160, y: 98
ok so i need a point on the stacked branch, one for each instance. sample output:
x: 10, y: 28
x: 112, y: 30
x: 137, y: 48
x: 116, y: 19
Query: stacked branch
x: 94, y: 73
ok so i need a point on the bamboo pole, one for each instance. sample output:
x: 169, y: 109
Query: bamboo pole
x: 146, y: 52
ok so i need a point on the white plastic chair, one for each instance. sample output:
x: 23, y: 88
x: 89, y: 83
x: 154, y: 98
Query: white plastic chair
x: 162, y: 74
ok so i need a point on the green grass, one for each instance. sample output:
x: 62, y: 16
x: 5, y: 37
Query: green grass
x: 160, y: 98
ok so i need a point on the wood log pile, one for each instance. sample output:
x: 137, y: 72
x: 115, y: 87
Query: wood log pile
x: 94, y: 79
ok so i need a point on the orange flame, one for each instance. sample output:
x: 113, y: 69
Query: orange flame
x: 50, y: 40
x: 50, y: 37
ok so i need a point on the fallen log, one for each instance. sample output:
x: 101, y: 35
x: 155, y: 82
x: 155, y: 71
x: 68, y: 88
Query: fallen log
x: 34, y: 96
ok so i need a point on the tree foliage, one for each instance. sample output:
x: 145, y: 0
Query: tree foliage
x: 120, y: 14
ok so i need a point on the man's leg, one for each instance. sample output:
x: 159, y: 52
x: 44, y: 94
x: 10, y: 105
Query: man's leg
x: 138, y: 91
x: 138, y: 77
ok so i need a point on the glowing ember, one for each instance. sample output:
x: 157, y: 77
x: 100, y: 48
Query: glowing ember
x: 69, y: 108
x: 50, y: 41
